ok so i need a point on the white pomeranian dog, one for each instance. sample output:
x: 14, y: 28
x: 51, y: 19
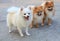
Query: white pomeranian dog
x: 19, y: 17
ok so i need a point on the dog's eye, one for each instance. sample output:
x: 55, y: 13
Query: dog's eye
x: 51, y: 6
x: 28, y: 13
x: 48, y: 7
x: 40, y: 12
x: 24, y: 13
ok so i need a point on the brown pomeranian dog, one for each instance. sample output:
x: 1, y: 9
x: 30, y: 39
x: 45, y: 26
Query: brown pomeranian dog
x: 49, y: 11
x: 38, y: 15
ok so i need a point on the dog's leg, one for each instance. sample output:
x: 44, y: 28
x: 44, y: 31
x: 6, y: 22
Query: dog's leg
x: 31, y: 25
x: 9, y: 24
x: 37, y: 25
x: 20, y: 31
x: 49, y: 21
x: 43, y: 20
x: 10, y: 27
x: 27, y: 31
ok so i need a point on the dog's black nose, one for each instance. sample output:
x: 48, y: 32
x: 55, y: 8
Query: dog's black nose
x: 49, y: 7
x: 27, y: 16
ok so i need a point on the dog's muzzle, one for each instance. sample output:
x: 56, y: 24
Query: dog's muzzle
x: 26, y: 17
x: 39, y: 14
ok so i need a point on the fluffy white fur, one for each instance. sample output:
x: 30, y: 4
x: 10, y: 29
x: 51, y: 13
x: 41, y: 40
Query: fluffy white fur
x: 49, y: 14
x: 15, y: 17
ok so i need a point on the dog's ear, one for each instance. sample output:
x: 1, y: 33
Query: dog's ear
x: 30, y: 8
x: 52, y: 2
x: 21, y: 9
x: 46, y: 3
x: 41, y: 6
x: 35, y: 8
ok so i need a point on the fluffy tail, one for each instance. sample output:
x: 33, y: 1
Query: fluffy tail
x: 12, y: 9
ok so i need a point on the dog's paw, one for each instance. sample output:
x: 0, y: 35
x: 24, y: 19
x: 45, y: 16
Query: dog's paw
x: 42, y: 24
x: 10, y: 31
x: 27, y: 34
x: 37, y: 26
x: 22, y: 35
x: 49, y: 24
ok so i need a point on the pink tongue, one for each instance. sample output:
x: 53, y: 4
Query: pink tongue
x: 27, y: 18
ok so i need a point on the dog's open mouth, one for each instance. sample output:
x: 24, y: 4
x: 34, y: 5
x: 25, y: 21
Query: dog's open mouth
x: 27, y: 18
x: 50, y: 9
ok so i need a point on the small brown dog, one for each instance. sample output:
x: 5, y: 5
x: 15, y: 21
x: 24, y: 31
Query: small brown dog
x: 38, y: 15
x: 49, y: 11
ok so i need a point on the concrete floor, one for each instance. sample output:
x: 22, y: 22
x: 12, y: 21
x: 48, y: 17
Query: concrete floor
x: 46, y: 33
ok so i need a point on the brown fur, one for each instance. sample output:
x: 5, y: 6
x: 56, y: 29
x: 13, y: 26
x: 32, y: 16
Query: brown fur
x: 48, y: 4
x: 35, y: 11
